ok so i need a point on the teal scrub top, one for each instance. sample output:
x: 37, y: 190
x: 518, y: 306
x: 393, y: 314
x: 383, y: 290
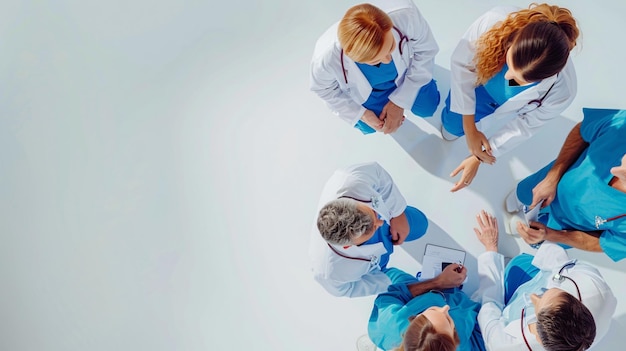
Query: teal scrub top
x: 584, y: 194
x: 391, y: 312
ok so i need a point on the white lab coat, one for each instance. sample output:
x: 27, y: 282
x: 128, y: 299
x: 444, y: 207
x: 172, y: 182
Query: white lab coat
x: 414, y: 66
x: 508, y: 125
x: 596, y: 295
x: 349, y: 277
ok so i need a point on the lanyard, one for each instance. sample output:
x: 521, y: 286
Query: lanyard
x: 348, y: 257
x: 534, y: 103
x: 539, y: 102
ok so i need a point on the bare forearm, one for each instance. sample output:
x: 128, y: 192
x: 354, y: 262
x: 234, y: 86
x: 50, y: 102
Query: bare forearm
x: 420, y: 288
x: 573, y: 146
x: 469, y: 124
x: 587, y: 241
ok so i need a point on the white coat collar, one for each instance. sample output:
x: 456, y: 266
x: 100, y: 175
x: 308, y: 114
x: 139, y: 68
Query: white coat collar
x: 514, y: 330
x: 361, y: 88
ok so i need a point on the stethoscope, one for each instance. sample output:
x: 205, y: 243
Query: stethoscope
x: 600, y: 221
x: 534, y: 103
x: 403, y: 38
x: 376, y: 202
x: 559, y: 277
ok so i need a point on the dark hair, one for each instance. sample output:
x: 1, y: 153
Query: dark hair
x: 422, y: 336
x: 539, y: 50
x: 556, y: 22
x: 566, y: 326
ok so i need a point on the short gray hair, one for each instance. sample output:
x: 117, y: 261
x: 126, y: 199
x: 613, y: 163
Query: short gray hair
x: 340, y: 221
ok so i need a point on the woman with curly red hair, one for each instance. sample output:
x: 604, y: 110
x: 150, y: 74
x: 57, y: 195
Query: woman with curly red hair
x: 511, y: 73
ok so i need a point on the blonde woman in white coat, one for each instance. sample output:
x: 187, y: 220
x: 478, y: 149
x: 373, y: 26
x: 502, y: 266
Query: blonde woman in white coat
x: 511, y: 73
x: 375, y: 63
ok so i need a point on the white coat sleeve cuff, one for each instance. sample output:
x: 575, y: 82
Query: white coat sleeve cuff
x: 549, y: 256
x: 490, y: 275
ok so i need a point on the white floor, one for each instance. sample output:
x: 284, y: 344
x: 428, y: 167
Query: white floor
x: 162, y: 161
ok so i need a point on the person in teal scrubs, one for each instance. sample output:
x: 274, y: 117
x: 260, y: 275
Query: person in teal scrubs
x: 583, y: 192
x: 408, y: 298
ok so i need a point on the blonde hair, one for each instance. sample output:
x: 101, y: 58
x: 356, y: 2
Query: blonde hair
x: 541, y: 38
x: 422, y: 336
x: 362, y: 31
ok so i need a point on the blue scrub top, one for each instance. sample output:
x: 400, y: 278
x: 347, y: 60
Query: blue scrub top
x: 382, y: 78
x: 584, y: 192
x: 390, y: 315
x: 499, y: 89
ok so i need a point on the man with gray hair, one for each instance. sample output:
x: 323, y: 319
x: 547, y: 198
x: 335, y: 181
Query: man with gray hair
x: 362, y: 216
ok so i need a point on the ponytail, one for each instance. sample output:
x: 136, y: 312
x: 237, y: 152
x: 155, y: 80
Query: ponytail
x: 541, y: 38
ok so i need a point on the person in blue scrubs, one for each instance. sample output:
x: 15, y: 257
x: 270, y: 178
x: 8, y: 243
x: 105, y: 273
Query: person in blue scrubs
x: 382, y: 77
x: 510, y: 74
x: 362, y: 215
x: 489, y: 96
x: 582, y: 192
x: 375, y: 63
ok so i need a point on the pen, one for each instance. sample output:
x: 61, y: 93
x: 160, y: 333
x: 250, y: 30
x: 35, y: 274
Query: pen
x: 459, y: 268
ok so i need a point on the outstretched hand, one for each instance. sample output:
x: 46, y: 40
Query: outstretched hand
x: 469, y: 168
x: 487, y: 231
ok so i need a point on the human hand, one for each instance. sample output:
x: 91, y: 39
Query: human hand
x: 451, y: 277
x: 534, y: 233
x: 393, y: 116
x: 544, y: 191
x: 399, y: 229
x: 478, y: 145
x: 469, y: 166
x: 487, y: 234
x: 372, y: 120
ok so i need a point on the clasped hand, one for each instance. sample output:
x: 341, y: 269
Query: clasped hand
x: 478, y: 145
x: 370, y: 118
x: 393, y: 115
x: 389, y: 120
x: 480, y: 151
